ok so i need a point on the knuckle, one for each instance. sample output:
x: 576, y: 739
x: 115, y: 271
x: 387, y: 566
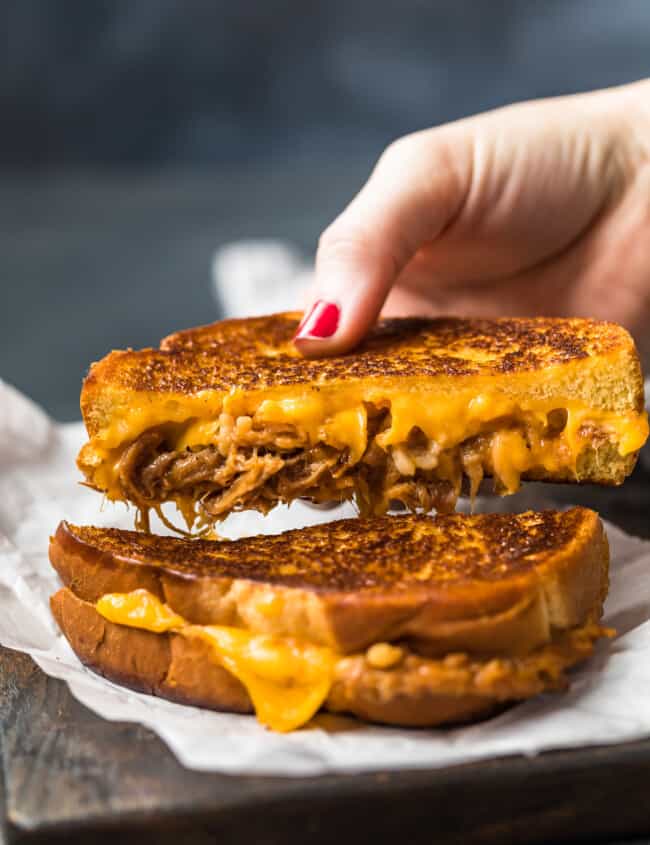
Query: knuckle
x: 327, y: 236
x: 399, y: 151
x: 341, y: 241
x: 354, y: 249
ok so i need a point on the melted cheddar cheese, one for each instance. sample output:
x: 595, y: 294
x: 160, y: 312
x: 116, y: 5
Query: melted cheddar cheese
x: 339, y: 419
x: 139, y: 609
x: 287, y: 679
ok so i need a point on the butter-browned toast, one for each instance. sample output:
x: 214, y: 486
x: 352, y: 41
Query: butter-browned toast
x: 230, y: 416
x: 412, y: 619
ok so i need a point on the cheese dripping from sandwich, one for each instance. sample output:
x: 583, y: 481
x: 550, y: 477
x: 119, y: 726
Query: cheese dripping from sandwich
x: 287, y: 679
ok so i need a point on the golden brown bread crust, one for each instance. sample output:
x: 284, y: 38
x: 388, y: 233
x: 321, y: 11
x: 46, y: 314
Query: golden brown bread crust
x: 256, y: 354
x: 486, y: 584
x: 415, y: 692
x: 599, y: 463
x: 371, y: 554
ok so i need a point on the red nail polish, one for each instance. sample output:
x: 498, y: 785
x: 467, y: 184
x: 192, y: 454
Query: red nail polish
x: 321, y: 322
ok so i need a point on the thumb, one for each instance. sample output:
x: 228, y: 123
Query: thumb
x: 414, y: 192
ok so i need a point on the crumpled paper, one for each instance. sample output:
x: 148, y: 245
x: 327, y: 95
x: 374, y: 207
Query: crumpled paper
x: 609, y: 701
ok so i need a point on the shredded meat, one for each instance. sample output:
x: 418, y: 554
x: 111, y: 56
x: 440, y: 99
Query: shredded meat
x: 475, y: 458
x: 256, y: 468
x: 134, y: 460
x: 257, y: 472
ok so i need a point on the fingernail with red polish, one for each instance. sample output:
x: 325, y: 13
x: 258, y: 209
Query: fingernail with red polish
x: 321, y: 322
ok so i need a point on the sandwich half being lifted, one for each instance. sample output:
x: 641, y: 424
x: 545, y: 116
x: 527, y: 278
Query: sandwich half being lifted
x: 230, y: 417
x: 405, y: 620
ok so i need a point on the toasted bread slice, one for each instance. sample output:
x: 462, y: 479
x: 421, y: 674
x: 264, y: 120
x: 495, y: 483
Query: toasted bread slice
x: 229, y: 416
x: 415, y: 692
x: 485, y: 584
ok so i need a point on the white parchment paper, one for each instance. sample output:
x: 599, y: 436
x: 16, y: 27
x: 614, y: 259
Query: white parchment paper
x: 609, y: 700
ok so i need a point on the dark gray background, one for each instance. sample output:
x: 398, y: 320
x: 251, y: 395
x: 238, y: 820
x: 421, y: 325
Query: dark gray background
x: 135, y: 137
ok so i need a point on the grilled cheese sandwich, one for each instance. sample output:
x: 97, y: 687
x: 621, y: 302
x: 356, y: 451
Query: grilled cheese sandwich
x: 228, y: 417
x: 405, y: 620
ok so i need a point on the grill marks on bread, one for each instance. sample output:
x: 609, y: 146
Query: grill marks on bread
x: 257, y: 353
x: 391, y: 553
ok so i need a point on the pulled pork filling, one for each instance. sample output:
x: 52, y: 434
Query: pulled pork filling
x: 256, y: 468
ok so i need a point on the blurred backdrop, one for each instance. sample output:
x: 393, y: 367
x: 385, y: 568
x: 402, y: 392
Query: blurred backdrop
x: 137, y: 137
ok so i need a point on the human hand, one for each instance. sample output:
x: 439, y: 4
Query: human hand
x: 541, y: 208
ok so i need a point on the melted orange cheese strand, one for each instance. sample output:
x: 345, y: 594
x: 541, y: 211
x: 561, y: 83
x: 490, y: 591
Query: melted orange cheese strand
x: 338, y: 418
x: 287, y: 679
x: 139, y: 609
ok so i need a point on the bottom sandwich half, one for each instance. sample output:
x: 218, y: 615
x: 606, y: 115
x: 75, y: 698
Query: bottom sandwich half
x: 413, y: 621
